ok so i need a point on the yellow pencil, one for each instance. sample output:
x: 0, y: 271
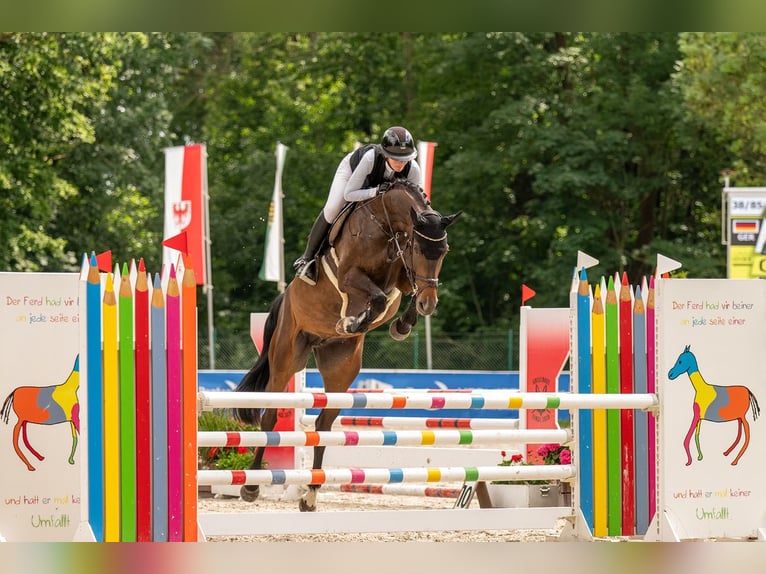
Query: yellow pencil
x: 599, y: 417
x: 111, y: 417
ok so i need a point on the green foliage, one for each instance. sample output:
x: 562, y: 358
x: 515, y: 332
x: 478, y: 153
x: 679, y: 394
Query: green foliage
x: 223, y: 458
x: 551, y: 143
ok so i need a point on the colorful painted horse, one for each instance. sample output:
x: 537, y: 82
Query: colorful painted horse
x: 715, y: 403
x: 44, y: 406
x: 390, y: 246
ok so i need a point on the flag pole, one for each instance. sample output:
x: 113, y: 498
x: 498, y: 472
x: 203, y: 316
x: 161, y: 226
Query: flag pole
x: 208, y: 287
x: 273, y: 266
x: 426, y: 159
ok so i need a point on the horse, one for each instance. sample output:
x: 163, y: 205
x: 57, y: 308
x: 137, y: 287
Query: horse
x: 44, y: 406
x: 715, y: 403
x: 382, y: 249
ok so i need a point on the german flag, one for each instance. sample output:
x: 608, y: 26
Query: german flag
x: 745, y: 225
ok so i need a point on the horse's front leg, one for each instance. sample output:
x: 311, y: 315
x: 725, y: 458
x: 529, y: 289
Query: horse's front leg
x: 363, y: 302
x: 402, y: 326
x: 308, y: 502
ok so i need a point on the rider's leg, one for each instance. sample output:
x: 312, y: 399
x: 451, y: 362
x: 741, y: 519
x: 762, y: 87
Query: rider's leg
x: 306, y: 264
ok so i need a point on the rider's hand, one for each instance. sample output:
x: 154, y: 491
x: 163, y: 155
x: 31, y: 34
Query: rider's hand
x: 384, y: 187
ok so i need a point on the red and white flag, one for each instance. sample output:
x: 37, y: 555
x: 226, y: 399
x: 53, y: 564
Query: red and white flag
x: 426, y: 162
x: 185, y: 186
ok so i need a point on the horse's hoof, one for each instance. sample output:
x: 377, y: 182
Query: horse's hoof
x: 249, y: 494
x: 397, y: 335
x: 304, y: 507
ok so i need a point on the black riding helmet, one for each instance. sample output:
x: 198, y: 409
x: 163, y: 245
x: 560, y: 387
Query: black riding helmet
x: 397, y: 144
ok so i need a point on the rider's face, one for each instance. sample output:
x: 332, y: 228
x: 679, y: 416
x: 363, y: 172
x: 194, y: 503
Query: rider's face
x: 395, y: 164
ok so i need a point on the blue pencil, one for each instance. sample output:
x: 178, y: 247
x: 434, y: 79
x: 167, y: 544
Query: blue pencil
x: 584, y: 386
x: 95, y: 403
x: 159, y: 416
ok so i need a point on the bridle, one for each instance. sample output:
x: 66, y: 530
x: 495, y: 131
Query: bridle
x: 408, y: 247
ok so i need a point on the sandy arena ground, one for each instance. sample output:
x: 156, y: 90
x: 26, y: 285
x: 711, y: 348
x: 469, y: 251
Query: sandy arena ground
x: 328, y: 501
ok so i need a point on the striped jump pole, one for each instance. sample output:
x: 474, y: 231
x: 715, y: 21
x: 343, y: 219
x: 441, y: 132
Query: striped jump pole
x: 385, y: 475
x: 381, y: 438
x: 209, y: 400
x: 415, y: 422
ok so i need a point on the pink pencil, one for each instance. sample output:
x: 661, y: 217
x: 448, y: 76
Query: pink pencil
x: 175, y: 444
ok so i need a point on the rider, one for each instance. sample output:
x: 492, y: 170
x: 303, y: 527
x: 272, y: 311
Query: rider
x: 358, y: 177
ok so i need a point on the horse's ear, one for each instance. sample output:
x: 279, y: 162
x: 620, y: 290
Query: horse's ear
x: 448, y: 220
x: 687, y: 348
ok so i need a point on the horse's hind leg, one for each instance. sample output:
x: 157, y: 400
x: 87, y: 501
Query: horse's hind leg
x: 736, y: 440
x: 18, y: 427
x: 742, y: 424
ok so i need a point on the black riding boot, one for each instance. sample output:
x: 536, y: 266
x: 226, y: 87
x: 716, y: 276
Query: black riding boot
x: 306, y: 265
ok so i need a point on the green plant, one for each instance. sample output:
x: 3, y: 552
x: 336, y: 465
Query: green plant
x: 224, y: 458
x: 551, y: 453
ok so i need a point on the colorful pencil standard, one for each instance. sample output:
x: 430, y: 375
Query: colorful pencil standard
x: 127, y: 412
x: 159, y: 416
x: 143, y: 409
x: 174, y: 416
x: 599, y: 417
x: 626, y: 415
x: 614, y: 476
x: 189, y: 398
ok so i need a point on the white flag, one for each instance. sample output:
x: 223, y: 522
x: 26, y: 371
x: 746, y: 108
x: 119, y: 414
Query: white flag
x: 273, y: 268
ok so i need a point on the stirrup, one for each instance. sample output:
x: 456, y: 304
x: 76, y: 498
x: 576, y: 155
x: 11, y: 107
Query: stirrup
x: 308, y: 272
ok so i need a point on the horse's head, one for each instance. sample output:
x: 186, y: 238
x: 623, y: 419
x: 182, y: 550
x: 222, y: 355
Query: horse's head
x: 686, y: 363
x: 428, y: 251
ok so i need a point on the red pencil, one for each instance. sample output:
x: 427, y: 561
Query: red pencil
x: 626, y: 415
x: 143, y: 409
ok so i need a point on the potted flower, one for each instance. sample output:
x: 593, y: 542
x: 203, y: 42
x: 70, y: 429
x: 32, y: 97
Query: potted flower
x: 525, y: 493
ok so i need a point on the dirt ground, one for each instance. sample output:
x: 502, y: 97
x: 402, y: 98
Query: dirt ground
x: 274, y: 500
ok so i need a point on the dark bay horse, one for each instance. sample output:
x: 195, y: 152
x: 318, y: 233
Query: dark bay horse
x: 389, y: 246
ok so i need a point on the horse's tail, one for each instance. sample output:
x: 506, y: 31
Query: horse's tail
x: 754, y: 405
x: 5, y: 411
x: 256, y: 379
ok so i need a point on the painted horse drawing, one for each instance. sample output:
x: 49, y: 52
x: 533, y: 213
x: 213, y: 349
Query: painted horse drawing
x: 44, y: 406
x: 715, y: 403
x: 389, y: 246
